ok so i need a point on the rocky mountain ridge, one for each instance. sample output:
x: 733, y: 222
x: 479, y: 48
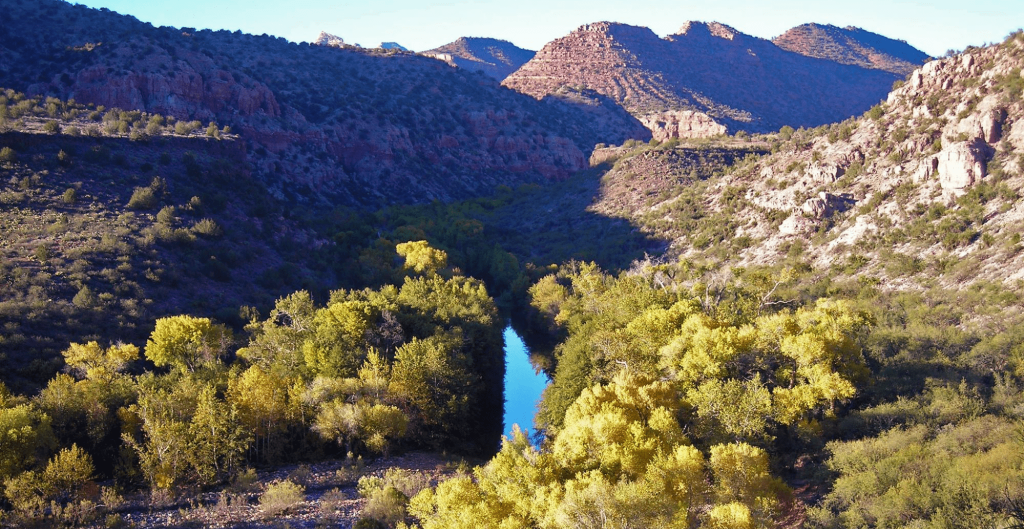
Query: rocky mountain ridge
x: 704, y: 77
x: 321, y: 124
x: 494, y: 57
x: 851, y: 45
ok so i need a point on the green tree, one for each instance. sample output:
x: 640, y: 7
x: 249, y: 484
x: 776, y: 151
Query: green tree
x: 186, y: 342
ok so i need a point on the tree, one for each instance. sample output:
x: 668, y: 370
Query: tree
x: 93, y: 362
x: 218, y: 440
x: 265, y: 407
x: 24, y: 434
x: 432, y: 377
x: 421, y: 258
x: 276, y: 342
x: 186, y: 342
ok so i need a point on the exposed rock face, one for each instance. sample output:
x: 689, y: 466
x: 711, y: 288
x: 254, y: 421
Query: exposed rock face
x: 739, y: 81
x: 392, y: 46
x: 320, y: 123
x: 496, y: 58
x: 682, y: 124
x: 826, y: 204
x: 852, y: 45
x: 327, y: 39
x: 962, y: 165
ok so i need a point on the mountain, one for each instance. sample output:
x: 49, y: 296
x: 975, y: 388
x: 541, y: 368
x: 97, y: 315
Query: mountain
x: 923, y: 190
x: 392, y: 46
x: 704, y: 80
x: 851, y: 45
x: 320, y: 124
x: 496, y: 58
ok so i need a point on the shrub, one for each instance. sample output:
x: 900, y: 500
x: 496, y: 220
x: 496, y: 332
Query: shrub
x: 43, y: 253
x: 143, y: 198
x: 7, y: 154
x: 281, y: 497
x: 168, y: 216
x: 51, y: 127
x: 85, y: 298
x: 207, y: 228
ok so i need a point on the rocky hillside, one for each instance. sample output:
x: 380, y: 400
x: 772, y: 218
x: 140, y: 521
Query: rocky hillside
x: 702, y: 81
x: 496, y: 58
x: 923, y: 189
x: 851, y: 45
x: 320, y: 124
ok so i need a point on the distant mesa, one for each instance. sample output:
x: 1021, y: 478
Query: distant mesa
x: 851, y: 45
x: 328, y: 39
x: 493, y: 57
x: 710, y: 77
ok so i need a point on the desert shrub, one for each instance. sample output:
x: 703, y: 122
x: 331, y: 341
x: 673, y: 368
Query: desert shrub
x: 332, y: 501
x: 7, y: 154
x: 207, y: 228
x: 143, y: 198
x: 43, y: 253
x: 246, y: 481
x: 51, y: 127
x: 70, y: 196
x: 85, y: 298
x: 281, y: 497
x: 168, y: 216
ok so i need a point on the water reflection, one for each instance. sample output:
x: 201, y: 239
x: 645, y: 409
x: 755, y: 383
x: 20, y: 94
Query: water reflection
x: 523, y: 384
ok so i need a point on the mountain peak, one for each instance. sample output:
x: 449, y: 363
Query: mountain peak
x: 852, y: 45
x: 494, y: 57
x: 714, y: 29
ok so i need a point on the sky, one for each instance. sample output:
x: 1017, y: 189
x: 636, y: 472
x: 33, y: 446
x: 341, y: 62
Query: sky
x: 933, y: 27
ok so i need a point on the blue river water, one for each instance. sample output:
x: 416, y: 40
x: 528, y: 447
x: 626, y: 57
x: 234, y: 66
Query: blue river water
x: 523, y: 384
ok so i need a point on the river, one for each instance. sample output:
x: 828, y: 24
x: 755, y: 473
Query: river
x: 523, y: 384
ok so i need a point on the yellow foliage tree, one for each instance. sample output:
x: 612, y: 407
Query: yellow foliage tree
x: 95, y: 363
x: 421, y: 258
x: 186, y: 342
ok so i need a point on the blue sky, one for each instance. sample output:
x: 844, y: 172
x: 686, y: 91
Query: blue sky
x: 934, y: 27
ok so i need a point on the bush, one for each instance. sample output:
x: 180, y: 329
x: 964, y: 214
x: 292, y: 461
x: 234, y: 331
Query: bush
x: 85, y: 298
x: 281, y: 497
x: 143, y: 198
x: 207, y: 228
x: 7, y: 154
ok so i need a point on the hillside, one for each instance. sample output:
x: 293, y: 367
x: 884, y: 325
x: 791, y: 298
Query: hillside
x: 922, y: 190
x: 496, y: 58
x: 705, y: 80
x: 102, y: 233
x: 319, y: 124
x: 852, y: 45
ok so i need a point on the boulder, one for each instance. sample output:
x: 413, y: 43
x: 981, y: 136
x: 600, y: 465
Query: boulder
x: 824, y: 173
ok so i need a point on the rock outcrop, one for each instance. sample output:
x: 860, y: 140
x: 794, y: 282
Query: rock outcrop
x: 682, y: 124
x: 327, y: 39
x: 961, y: 165
x: 852, y: 45
x: 739, y: 81
x: 496, y: 58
